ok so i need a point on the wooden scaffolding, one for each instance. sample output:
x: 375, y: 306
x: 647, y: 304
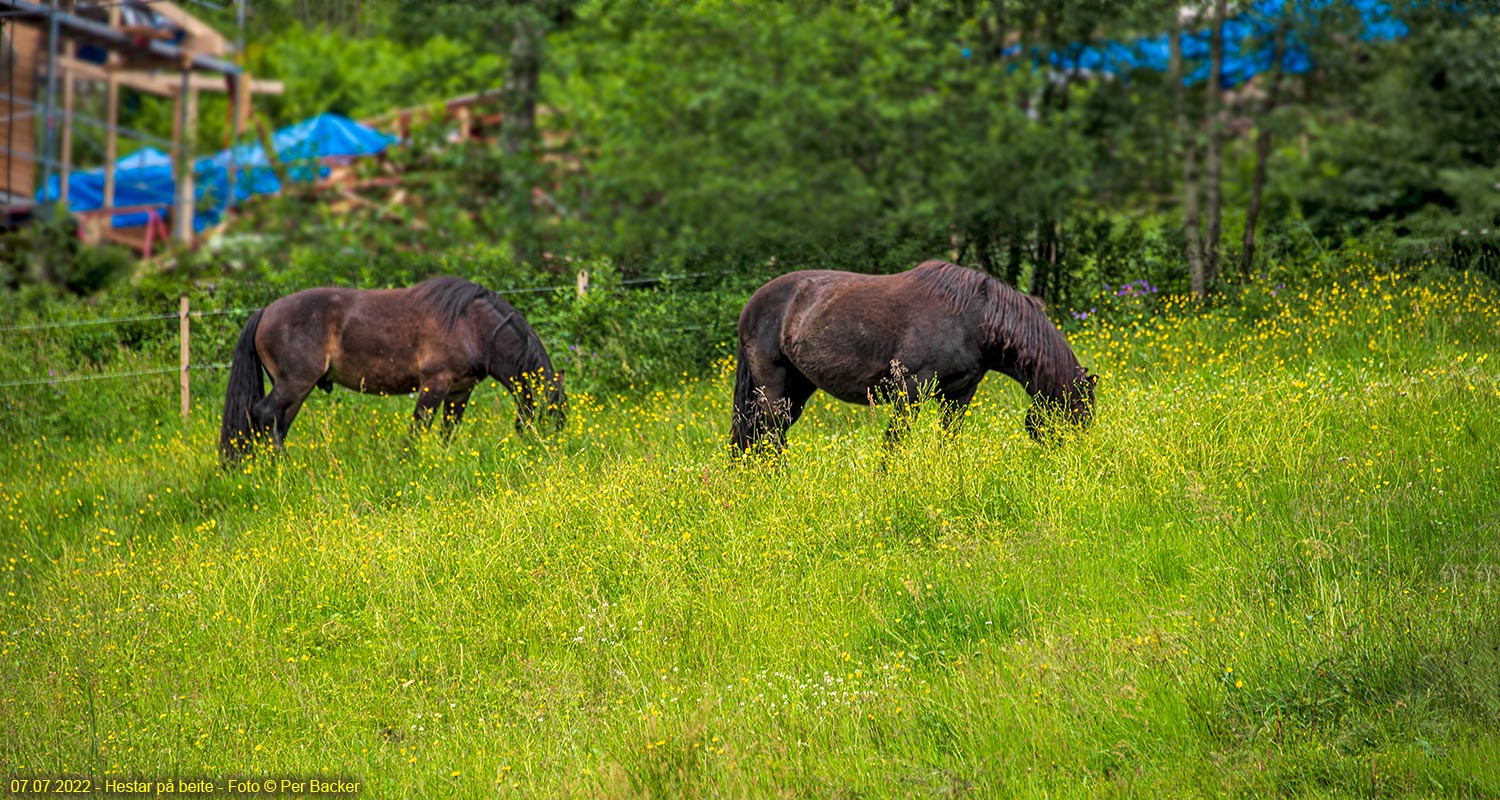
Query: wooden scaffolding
x: 48, y: 50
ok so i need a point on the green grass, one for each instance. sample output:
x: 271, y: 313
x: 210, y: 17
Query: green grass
x: 1272, y: 567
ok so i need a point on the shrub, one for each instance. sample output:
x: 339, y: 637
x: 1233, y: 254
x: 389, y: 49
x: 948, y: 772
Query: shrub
x: 48, y: 252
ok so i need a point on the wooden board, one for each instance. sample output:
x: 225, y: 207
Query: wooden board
x: 18, y: 76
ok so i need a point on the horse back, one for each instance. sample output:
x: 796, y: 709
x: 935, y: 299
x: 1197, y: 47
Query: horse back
x: 843, y: 330
x: 847, y: 304
x: 364, y: 339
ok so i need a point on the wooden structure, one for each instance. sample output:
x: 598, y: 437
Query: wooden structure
x: 49, y: 49
x: 467, y: 112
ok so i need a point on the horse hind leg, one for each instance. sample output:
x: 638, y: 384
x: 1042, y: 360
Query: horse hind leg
x: 273, y: 415
x: 796, y: 392
x: 765, y: 409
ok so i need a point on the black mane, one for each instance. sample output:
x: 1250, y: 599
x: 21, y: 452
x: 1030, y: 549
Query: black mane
x: 450, y: 297
x: 1009, y: 318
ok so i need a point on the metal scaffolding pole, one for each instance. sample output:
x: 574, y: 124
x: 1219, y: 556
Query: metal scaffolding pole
x: 235, y: 100
x: 49, y: 121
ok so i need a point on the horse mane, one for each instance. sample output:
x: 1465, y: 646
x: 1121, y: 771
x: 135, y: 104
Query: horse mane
x: 534, y: 356
x: 1008, y: 318
x: 449, y: 297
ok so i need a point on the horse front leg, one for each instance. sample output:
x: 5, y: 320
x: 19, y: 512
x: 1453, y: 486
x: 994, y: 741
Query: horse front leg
x: 429, y: 399
x: 902, y: 391
x: 453, y: 411
x: 955, y: 403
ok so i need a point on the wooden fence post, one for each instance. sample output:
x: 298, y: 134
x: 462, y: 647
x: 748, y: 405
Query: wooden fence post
x: 583, y: 282
x: 182, y: 325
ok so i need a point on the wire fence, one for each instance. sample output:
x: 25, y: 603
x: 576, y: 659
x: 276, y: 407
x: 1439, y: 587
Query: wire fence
x: 130, y: 374
x: 79, y: 323
x: 581, y: 286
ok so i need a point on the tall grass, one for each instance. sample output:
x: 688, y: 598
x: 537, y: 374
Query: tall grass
x: 1270, y: 567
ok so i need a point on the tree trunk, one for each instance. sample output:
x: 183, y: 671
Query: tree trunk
x: 518, y: 130
x: 1044, y: 275
x: 1214, y: 159
x: 1187, y: 135
x: 1262, y: 151
x: 1012, y: 275
x: 984, y: 252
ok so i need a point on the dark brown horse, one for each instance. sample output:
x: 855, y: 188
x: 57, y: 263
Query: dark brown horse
x: 440, y: 339
x: 864, y: 338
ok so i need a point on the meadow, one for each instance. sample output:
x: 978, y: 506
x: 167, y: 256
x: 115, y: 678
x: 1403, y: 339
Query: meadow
x: 1271, y: 567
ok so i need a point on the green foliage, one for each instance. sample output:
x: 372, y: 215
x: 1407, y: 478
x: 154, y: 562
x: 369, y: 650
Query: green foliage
x: 804, y: 131
x: 615, y: 338
x: 359, y: 78
x: 702, y: 135
x: 1411, y: 146
x: 47, y: 252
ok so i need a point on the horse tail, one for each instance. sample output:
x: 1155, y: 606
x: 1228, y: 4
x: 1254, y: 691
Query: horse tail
x: 246, y: 388
x: 745, y: 416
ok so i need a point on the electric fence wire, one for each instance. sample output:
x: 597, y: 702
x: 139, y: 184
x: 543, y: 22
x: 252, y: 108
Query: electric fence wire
x: 108, y: 376
x: 174, y: 315
x: 80, y: 323
x: 221, y: 312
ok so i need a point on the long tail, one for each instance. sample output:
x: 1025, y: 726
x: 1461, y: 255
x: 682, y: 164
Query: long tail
x: 746, y: 410
x: 246, y: 388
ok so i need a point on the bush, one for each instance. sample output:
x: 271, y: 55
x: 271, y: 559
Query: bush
x: 47, y: 252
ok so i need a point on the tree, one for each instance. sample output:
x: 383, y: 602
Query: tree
x: 523, y: 25
x: 1187, y: 134
x: 1263, y: 139
x: 1214, y: 156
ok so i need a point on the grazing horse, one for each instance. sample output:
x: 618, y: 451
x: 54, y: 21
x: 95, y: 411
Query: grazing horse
x: 866, y: 338
x: 440, y: 338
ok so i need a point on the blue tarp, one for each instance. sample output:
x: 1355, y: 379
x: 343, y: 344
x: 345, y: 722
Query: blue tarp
x: 145, y: 177
x: 1248, y: 47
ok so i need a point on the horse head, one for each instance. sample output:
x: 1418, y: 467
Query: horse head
x: 1074, y: 405
x: 555, y: 406
x: 541, y: 401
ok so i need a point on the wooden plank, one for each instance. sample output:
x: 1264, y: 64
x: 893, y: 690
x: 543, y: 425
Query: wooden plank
x: 167, y: 84
x: 18, y: 170
x: 145, y: 32
x: 161, y: 86
x: 111, y: 141
x: 161, y: 83
x: 449, y: 106
x: 244, y: 87
x: 200, y: 37
x: 133, y: 238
